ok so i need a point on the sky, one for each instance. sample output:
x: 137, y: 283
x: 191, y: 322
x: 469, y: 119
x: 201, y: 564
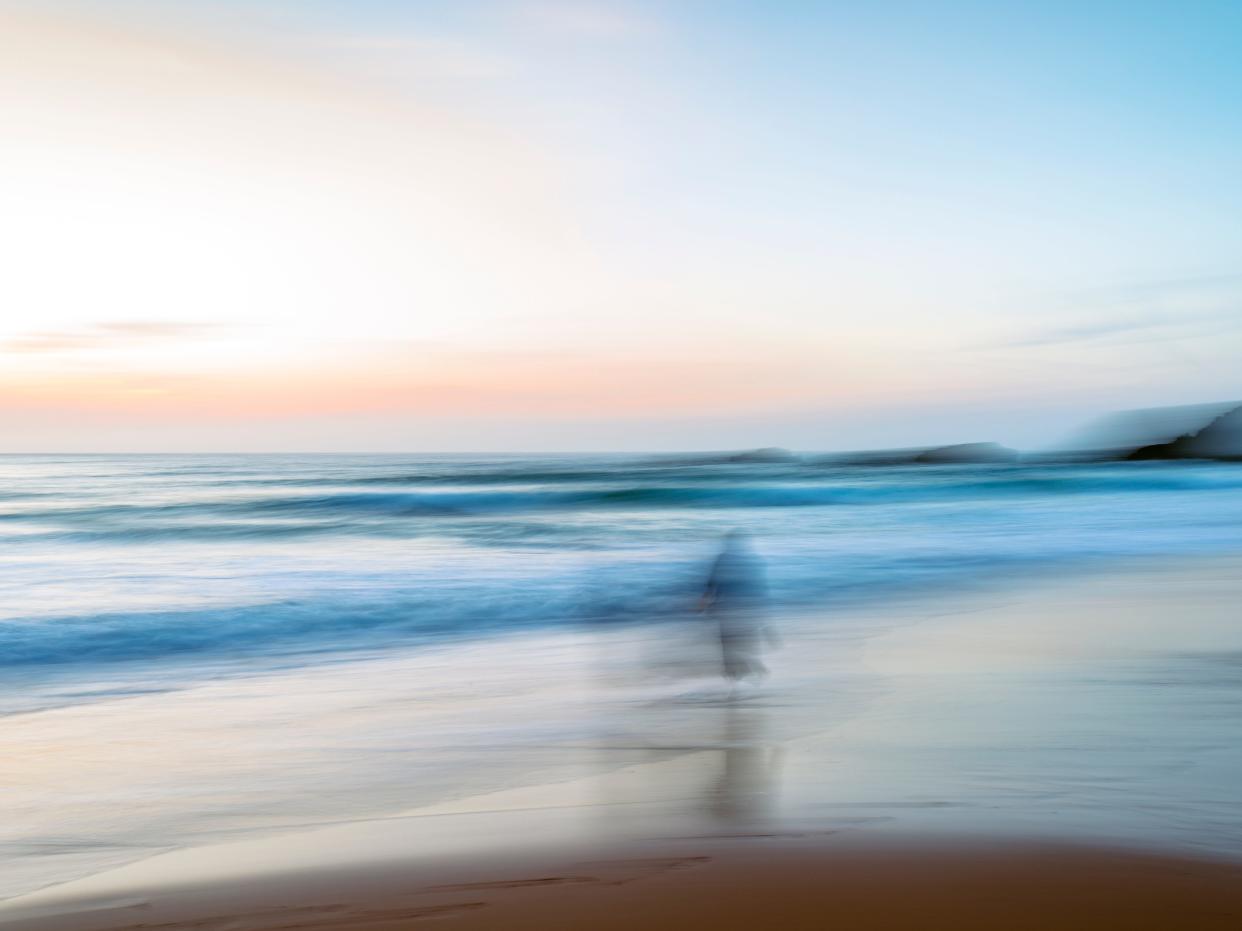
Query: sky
x: 491, y: 225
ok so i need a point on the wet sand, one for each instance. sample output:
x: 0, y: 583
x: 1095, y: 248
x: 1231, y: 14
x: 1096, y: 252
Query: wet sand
x: 1057, y: 757
x: 758, y: 882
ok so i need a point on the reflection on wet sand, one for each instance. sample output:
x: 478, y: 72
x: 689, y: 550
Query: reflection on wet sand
x: 742, y: 794
x: 703, y: 765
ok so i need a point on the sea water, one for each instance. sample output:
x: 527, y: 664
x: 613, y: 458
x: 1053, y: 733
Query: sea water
x: 196, y: 647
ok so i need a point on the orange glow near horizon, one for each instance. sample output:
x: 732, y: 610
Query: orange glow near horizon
x: 469, y: 384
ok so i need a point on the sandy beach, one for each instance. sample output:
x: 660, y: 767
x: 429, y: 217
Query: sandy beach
x: 526, y: 465
x: 1017, y: 757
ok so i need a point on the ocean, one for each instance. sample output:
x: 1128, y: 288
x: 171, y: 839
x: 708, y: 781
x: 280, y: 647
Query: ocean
x: 113, y: 560
x: 197, y: 646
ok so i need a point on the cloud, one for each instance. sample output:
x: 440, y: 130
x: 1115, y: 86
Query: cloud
x: 107, y: 335
x: 1144, y: 311
x: 1163, y: 289
x: 429, y: 56
x: 585, y: 18
x: 1089, y: 332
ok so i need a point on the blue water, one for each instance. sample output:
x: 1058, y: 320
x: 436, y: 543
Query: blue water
x: 299, y: 559
x: 197, y: 648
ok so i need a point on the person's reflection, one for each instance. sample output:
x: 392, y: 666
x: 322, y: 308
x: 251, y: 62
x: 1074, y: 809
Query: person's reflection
x: 742, y: 792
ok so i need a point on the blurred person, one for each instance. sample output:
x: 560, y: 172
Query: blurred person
x: 734, y: 598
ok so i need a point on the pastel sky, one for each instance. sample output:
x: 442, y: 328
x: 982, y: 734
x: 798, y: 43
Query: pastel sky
x: 388, y: 225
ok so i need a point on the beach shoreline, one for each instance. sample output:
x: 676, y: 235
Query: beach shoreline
x: 807, y: 821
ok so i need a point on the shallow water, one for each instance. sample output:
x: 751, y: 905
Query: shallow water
x: 279, y: 559
x: 195, y: 648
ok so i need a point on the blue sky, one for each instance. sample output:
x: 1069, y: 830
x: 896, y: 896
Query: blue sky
x: 900, y: 221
